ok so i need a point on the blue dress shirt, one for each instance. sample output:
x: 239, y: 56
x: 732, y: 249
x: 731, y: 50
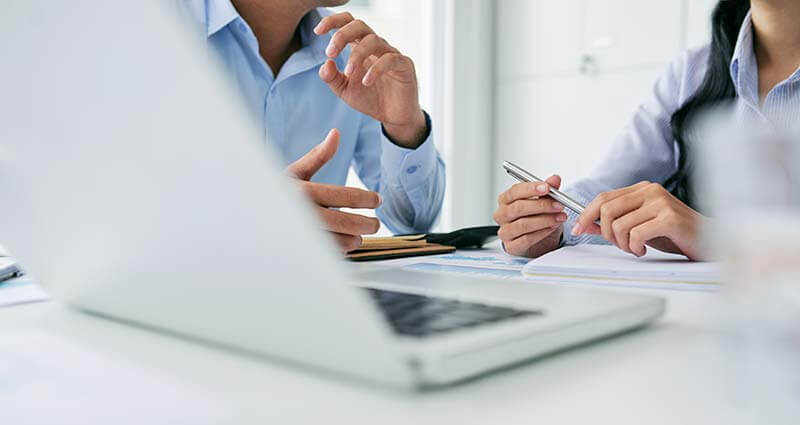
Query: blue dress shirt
x: 646, y: 149
x: 297, y: 109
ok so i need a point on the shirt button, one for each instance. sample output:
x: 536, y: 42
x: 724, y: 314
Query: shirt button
x: 412, y: 169
x: 242, y: 27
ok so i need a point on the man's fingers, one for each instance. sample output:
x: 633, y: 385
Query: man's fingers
x: 347, y: 242
x: 526, y: 207
x: 368, y: 46
x: 523, y: 191
x: 332, y: 77
x: 525, y: 225
x: 354, y: 31
x: 328, y: 23
x: 592, y: 211
x: 386, y: 63
x: 348, y: 223
x: 333, y: 196
x: 305, y: 167
x: 369, y: 62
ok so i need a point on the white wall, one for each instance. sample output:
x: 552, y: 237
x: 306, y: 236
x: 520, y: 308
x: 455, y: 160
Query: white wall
x: 464, y: 57
x: 570, y: 73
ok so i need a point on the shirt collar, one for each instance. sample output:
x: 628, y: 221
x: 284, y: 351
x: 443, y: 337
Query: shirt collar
x: 744, y: 69
x: 219, y: 13
x: 312, y: 52
x: 744, y: 66
x: 316, y: 43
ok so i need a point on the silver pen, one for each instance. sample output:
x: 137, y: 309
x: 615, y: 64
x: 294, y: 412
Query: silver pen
x: 524, y: 176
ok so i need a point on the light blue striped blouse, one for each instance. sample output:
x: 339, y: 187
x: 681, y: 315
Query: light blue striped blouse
x: 646, y: 149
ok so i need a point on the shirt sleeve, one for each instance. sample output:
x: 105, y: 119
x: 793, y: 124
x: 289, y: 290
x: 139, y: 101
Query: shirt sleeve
x: 410, y: 181
x: 644, y: 151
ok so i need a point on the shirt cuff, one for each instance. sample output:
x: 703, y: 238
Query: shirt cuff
x: 411, y: 167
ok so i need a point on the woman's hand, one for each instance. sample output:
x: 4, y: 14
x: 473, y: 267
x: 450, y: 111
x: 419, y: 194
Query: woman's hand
x: 530, y: 222
x: 643, y: 214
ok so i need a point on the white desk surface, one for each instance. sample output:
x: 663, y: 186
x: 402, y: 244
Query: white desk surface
x: 58, y: 365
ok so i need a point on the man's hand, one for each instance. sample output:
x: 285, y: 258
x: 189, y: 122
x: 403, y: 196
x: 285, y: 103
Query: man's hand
x: 346, y: 228
x: 643, y: 214
x: 531, y: 223
x: 378, y: 80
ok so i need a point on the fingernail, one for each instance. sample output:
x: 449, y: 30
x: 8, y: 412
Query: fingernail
x: 319, y: 24
x: 576, y: 230
x: 329, y: 50
x: 557, y: 206
x: 365, y: 81
x: 542, y: 188
x: 380, y: 200
x: 561, y: 217
x: 348, y: 69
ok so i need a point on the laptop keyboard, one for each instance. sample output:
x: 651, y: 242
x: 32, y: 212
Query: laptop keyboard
x: 421, y: 316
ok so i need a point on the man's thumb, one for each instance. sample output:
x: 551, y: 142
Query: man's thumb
x: 332, y: 77
x: 305, y: 167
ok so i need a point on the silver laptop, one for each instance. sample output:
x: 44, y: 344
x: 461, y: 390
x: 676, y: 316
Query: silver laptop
x: 134, y: 185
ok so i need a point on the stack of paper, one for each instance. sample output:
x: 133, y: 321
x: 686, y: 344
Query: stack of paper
x: 391, y: 242
x: 608, y: 265
x: 383, y: 248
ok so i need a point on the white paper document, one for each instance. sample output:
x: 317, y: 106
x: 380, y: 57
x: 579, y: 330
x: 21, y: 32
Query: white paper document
x: 20, y: 291
x: 490, y: 262
x: 608, y: 265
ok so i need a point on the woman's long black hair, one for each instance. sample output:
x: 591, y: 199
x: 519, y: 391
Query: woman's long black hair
x: 716, y: 88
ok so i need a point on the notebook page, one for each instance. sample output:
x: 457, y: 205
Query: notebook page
x: 608, y: 264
